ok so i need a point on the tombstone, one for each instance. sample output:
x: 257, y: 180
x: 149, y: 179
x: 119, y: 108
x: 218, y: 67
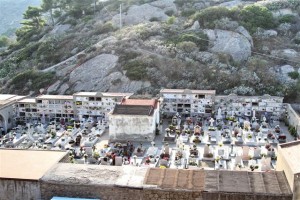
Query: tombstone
x: 211, y: 121
x: 104, y: 161
x: 167, y: 149
x: 163, y: 162
x: 118, y: 161
x: 257, y: 153
x: 238, y: 160
x: 219, y: 115
x: 206, y: 150
x: 265, y: 164
x: 245, y: 155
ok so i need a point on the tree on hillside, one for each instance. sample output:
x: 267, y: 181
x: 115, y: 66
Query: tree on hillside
x: 48, y: 6
x: 32, y: 24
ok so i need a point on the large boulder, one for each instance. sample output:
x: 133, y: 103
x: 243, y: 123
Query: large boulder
x: 229, y: 42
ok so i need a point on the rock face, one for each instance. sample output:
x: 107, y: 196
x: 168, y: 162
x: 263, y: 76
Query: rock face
x: 232, y: 43
x: 146, y: 12
x: 282, y: 73
x: 94, y: 72
x: 99, y: 74
x: 60, y: 29
x: 290, y: 54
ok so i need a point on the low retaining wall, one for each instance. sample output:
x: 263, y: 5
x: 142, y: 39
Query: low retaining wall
x: 293, y: 118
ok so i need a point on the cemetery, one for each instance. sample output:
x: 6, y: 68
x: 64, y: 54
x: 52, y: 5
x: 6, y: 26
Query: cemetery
x: 213, y: 143
x: 137, y: 145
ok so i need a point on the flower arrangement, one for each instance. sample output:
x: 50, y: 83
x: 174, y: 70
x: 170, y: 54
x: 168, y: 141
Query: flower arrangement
x: 249, y: 136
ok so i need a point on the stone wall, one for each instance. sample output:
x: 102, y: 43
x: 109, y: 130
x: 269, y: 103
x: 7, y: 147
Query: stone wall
x: 19, y: 190
x: 293, y: 118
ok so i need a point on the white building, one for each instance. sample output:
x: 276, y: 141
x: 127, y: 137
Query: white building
x: 245, y: 105
x: 26, y: 110
x: 187, y: 102
x: 134, y: 120
x: 55, y: 107
x: 96, y: 104
x: 7, y: 110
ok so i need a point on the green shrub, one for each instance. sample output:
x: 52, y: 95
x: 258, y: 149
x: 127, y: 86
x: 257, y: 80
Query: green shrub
x: 287, y: 19
x: 4, y: 41
x: 207, y: 16
x: 187, y: 13
x: 39, y: 79
x: 252, y: 17
x: 294, y: 75
x: 136, y: 70
x: 105, y: 28
x: 27, y: 51
x: 171, y: 20
x: 153, y: 19
x: 199, y: 38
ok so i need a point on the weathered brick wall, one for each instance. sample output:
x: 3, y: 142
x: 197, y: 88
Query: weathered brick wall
x: 19, y: 190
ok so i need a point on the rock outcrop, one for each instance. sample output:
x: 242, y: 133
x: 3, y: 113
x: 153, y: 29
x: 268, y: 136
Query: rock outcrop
x: 139, y: 14
x: 229, y: 42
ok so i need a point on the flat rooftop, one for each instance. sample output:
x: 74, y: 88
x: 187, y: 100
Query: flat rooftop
x: 102, y: 94
x: 58, y: 97
x: 6, y: 99
x: 27, y: 164
x: 27, y: 100
x: 187, y: 91
x: 291, y: 151
x: 215, y: 181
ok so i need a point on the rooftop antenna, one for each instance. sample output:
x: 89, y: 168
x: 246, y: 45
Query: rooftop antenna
x: 120, y: 16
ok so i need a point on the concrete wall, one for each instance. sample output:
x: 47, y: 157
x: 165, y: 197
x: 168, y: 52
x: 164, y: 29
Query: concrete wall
x: 19, y: 190
x: 243, y: 196
x: 49, y: 190
x: 131, y: 127
x: 293, y: 118
x: 282, y: 165
x: 296, y: 191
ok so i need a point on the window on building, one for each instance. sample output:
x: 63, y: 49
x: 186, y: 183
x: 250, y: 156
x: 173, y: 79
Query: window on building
x: 91, y: 98
x: 98, y: 98
x: 201, y: 96
x: 39, y: 101
x: 78, y: 103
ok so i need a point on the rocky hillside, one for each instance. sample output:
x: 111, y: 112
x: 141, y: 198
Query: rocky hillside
x: 245, y: 47
x: 11, y: 13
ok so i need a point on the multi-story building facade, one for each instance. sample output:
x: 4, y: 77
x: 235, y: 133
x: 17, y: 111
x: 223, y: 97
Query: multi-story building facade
x: 96, y: 104
x: 265, y: 105
x: 26, y: 110
x: 187, y: 102
x: 55, y: 107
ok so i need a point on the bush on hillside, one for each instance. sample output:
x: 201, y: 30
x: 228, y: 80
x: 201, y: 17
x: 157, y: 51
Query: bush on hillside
x: 252, y: 17
x: 288, y: 19
x: 38, y: 79
x: 206, y: 17
x: 136, y: 70
x: 200, y: 39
